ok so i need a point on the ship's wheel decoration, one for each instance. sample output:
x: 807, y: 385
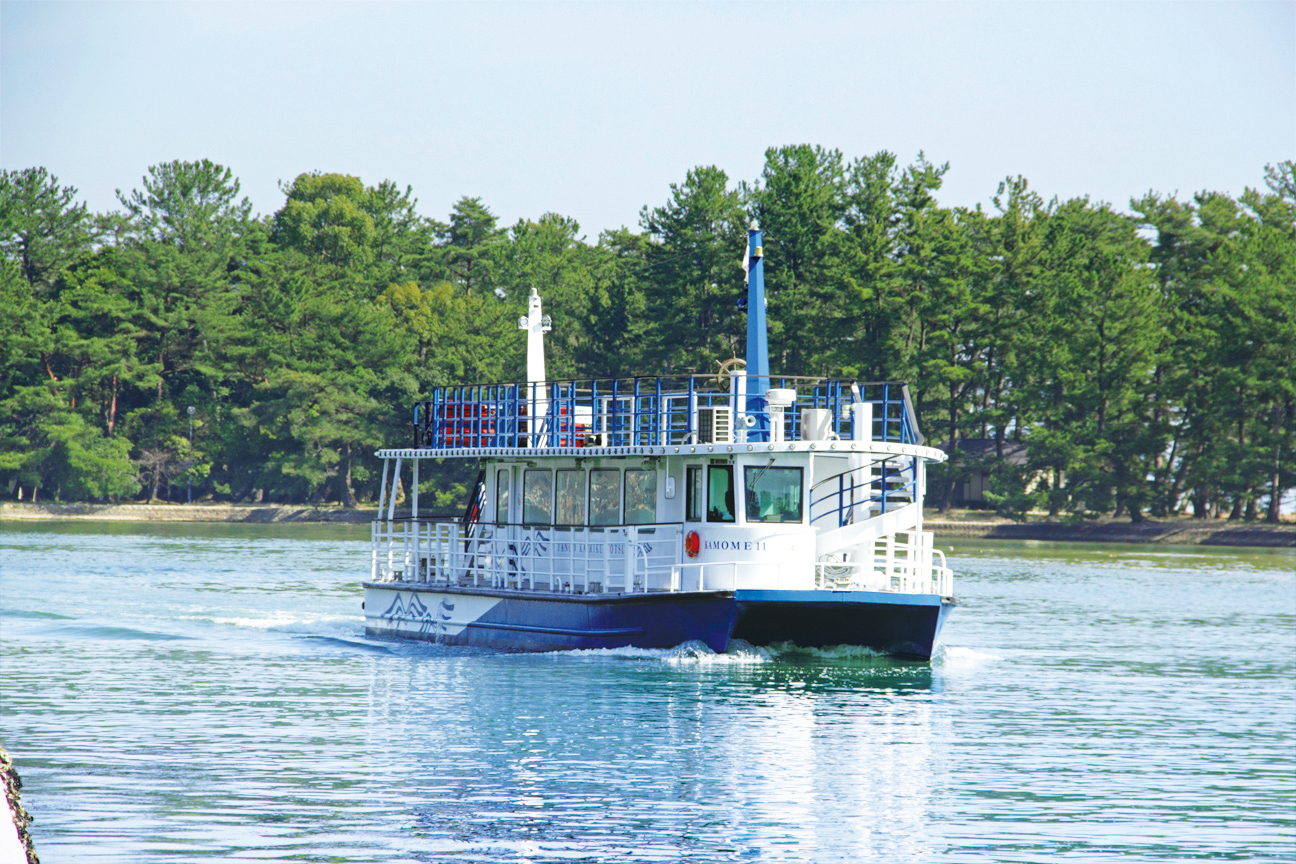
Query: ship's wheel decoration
x: 727, y: 368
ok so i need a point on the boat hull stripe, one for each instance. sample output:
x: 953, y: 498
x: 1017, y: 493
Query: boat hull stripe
x: 559, y: 631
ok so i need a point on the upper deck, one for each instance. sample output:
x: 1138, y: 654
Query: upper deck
x: 662, y: 411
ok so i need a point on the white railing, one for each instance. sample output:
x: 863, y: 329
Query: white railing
x: 902, y: 567
x: 623, y: 559
x: 582, y: 560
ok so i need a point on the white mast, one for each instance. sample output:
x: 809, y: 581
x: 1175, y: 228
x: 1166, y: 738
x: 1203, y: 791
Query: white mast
x: 536, y: 323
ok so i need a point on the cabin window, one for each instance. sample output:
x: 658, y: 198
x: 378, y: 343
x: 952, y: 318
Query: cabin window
x: 605, y: 496
x: 694, y: 495
x: 640, y: 496
x: 537, y: 498
x: 720, y: 493
x: 571, y: 497
x: 502, y: 487
x: 773, y: 494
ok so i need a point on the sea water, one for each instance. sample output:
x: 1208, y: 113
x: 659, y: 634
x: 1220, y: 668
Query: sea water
x: 194, y: 693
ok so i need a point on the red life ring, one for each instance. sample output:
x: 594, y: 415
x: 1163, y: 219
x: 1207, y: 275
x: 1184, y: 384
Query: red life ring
x: 692, y: 544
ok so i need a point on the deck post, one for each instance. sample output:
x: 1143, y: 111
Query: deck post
x: 391, y: 503
x: 378, y: 521
x: 414, y: 522
x: 391, y: 515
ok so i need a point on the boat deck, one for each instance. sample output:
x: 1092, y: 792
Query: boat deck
x: 662, y: 412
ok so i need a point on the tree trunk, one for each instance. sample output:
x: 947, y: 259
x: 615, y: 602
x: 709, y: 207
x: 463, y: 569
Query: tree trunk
x: 112, y: 411
x: 952, y: 481
x: 1201, y: 503
x: 348, y: 494
x: 1275, y: 480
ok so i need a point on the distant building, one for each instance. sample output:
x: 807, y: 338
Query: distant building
x: 978, y: 456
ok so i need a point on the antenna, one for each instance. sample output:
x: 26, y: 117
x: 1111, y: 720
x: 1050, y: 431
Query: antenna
x: 757, y: 337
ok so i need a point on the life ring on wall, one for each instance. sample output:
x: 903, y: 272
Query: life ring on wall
x: 692, y: 544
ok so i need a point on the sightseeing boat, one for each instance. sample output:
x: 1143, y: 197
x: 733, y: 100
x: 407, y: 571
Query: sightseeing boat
x: 650, y: 512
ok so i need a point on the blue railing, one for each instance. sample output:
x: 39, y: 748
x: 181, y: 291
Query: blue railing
x: 880, y: 486
x: 629, y: 412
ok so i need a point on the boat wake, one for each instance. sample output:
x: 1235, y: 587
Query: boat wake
x: 957, y: 657
x: 292, y: 622
x: 742, y: 653
x: 359, y: 645
x: 692, y: 653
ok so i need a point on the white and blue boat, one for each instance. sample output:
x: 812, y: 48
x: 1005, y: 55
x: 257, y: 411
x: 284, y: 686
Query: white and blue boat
x: 650, y: 512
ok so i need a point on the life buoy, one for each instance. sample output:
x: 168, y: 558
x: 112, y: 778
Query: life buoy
x: 692, y: 544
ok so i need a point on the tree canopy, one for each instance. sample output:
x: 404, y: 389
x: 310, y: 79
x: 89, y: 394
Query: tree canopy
x: 1142, y: 365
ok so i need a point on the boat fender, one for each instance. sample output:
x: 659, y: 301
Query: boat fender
x: 692, y: 544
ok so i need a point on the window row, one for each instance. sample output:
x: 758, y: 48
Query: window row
x: 772, y: 494
x: 609, y: 496
x: 567, y: 497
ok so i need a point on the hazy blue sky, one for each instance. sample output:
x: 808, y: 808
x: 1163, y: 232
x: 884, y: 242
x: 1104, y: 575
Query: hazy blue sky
x: 592, y: 110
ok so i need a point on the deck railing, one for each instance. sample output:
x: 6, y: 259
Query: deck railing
x: 624, y: 559
x: 906, y: 566
x: 630, y: 412
x: 582, y: 560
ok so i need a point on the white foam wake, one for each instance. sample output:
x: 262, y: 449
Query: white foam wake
x: 688, y: 653
x: 958, y: 657
x: 280, y: 620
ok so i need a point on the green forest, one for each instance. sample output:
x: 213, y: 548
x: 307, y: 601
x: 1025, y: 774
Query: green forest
x: 1141, y: 364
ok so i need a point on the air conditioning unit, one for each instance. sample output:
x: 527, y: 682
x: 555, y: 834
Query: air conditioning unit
x: 715, y: 425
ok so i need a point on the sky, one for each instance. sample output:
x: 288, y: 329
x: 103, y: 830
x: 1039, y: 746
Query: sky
x: 592, y: 110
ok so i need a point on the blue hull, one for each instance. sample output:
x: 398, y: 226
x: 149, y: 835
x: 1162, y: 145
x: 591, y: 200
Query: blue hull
x: 904, y: 625
x: 523, y: 621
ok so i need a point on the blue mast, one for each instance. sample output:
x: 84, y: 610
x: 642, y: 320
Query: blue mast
x: 757, y: 338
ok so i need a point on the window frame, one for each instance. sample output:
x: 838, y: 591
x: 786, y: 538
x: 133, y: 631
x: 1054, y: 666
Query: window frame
x: 694, y: 498
x: 579, y: 500
x: 503, y: 492
x: 752, y: 514
x: 526, y: 496
x: 625, y: 495
x: 733, y: 515
x: 589, y: 498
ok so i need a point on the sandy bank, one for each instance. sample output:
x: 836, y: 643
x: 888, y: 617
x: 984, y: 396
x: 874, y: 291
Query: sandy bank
x: 1191, y: 532
x: 183, y: 513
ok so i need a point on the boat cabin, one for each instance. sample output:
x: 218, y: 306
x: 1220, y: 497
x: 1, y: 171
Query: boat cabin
x: 668, y: 484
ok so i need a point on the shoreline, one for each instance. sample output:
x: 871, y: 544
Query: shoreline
x: 1174, y: 532
x: 249, y: 513
x: 1171, y: 533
